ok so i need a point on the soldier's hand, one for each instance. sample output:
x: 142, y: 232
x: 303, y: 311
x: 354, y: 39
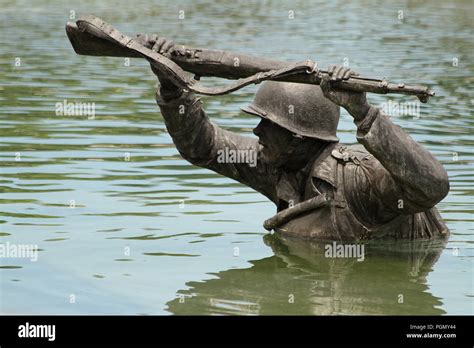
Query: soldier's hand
x: 144, y: 39
x: 158, y: 44
x: 162, y: 45
x: 166, y: 48
x: 354, y: 102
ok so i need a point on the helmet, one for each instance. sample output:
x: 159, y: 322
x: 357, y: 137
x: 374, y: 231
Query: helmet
x: 300, y: 108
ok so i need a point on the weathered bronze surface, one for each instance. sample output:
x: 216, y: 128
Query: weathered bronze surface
x: 386, y: 188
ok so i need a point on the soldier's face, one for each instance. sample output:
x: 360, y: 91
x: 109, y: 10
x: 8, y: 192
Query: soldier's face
x: 274, y: 140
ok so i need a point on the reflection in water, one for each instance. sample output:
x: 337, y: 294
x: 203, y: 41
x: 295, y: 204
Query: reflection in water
x: 300, y: 280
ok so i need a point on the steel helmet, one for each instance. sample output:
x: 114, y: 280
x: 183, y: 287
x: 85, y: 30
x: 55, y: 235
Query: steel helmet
x: 300, y: 108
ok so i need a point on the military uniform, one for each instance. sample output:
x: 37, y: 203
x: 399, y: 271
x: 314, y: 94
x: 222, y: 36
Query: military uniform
x: 386, y: 188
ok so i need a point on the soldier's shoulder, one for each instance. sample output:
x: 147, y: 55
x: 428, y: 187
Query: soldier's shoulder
x: 351, y: 153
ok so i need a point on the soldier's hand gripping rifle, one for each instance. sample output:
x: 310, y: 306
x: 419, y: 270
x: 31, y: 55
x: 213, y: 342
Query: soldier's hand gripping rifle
x: 92, y: 36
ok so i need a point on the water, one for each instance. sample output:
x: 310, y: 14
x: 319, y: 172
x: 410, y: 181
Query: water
x: 114, y: 236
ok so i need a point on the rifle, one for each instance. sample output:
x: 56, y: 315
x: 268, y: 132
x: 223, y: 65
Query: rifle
x: 90, y: 35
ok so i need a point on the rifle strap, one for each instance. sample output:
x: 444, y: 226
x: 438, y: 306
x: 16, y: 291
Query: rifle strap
x: 99, y: 28
x: 298, y: 209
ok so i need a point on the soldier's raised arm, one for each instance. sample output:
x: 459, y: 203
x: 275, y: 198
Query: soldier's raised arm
x: 202, y: 142
x: 406, y: 178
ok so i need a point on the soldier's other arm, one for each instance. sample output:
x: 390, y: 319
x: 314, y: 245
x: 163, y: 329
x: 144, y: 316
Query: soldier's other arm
x: 203, y: 143
x: 420, y: 178
x: 406, y: 178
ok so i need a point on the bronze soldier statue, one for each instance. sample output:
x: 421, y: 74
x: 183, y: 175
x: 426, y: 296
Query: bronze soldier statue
x: 323, y: 190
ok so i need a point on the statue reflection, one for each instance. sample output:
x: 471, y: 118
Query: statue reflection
x: 299, y: 279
